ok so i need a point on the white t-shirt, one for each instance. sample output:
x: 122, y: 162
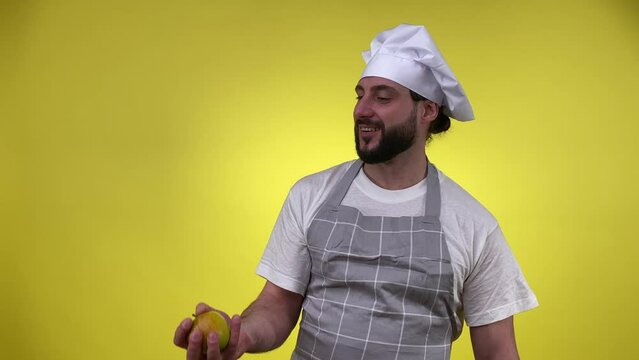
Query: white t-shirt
x: 489, y: 285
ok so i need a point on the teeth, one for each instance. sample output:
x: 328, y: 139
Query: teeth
x: 367, y: 129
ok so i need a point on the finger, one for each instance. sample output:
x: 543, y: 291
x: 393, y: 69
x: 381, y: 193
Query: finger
x: 213, y: 344
x: 181, y: 337
x: 231, y: 350
x: 194, y: 349
x: 202, y: 308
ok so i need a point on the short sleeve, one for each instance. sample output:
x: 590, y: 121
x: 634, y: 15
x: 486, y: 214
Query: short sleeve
x: 495, y: 288
x: 286, y: 261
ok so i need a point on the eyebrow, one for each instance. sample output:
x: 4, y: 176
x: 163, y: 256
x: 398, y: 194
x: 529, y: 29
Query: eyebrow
x: 378, y: 88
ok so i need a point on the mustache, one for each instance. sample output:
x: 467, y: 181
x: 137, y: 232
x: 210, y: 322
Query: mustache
x: 369, y: 122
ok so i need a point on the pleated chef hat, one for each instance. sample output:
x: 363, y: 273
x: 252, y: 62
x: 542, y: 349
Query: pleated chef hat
x: 408, y: 55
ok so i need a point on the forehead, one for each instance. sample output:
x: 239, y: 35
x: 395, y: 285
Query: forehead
x: 374, y: 82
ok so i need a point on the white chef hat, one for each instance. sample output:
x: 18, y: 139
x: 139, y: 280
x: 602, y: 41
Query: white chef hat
x: 408, y: 55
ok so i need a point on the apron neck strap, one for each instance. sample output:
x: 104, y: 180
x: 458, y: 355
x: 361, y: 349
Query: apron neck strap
x: 337, y: 195
x: 433, y: 197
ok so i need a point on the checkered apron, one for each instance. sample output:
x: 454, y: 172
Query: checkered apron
x: 380, y: 287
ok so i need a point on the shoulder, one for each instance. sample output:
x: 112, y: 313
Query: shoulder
x: 461, y: 206
x: 316, y: 186
x: 309, y: 193
x: 324, y: 177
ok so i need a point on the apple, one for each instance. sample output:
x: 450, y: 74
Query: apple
x: 208, y: 322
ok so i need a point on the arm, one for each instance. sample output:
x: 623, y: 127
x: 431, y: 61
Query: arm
x: 494, y: 341
x: 269, y: 320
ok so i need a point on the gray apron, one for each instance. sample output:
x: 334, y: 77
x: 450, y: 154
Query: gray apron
x: 380, y: 287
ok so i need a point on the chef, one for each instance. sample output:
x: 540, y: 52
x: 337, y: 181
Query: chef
x: 385, y: 256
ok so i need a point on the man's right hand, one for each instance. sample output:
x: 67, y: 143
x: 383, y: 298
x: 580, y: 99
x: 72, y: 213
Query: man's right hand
x: 192, y: 342
x: 265, y: 324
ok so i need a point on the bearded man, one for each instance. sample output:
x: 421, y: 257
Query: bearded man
x: 385, y: 256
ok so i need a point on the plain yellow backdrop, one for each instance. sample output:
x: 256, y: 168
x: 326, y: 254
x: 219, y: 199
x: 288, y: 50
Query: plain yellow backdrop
x: 146, y: 148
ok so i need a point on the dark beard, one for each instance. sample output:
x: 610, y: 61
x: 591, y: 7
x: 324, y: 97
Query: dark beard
x: 394, y: 141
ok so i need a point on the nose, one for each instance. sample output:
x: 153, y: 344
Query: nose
x: 363, y: 109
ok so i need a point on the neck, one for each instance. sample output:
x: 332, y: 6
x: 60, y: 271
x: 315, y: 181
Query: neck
x: 401, y: 172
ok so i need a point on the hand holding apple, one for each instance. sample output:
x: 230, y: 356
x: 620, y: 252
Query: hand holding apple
x: 194, y: 340
x: 212, y: 321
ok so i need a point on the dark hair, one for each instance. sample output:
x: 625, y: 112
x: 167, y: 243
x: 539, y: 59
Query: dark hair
x: 441, y: 122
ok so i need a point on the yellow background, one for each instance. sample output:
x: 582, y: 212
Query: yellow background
x: 146, y: 148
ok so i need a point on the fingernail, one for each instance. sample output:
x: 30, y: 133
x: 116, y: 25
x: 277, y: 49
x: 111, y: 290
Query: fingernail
x: 196, y: 336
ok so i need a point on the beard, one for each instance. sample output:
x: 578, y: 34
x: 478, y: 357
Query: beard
x: 394, y: 140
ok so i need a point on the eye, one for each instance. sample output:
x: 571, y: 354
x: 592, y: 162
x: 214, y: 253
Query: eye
x: 383, y: 99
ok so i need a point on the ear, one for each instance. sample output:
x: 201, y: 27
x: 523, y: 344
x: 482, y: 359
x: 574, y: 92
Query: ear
x: 429, y: 112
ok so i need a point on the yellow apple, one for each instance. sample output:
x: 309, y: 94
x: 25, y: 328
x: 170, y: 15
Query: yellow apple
x: 212, y: 321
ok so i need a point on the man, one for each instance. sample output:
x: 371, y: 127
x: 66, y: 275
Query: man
x: 386, y: 255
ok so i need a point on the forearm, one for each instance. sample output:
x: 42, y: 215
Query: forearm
x: 495, y: 341
x: 269, y: 320
x: 503, y: 355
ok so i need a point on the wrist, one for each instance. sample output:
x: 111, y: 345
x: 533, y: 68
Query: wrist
x: 247, y: 342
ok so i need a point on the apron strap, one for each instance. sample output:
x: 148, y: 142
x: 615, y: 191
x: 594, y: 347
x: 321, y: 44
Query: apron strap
x: 433, y: 195
x: 337, y: 194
